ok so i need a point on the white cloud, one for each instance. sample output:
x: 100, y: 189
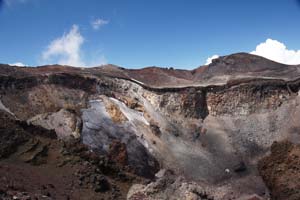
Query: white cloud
x: 17, y: 64
x: 67, y: 50
x: 97, y: 23
x: 209, y: 60
x: 277, y: 51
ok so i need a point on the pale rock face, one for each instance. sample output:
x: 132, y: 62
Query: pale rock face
x: 170, y: 187
x: 66, y: 124
x: 101, y: 128
x: 4, y: 108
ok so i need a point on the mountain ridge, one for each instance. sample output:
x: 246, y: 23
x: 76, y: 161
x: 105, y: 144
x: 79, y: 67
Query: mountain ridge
x: 226, y: 68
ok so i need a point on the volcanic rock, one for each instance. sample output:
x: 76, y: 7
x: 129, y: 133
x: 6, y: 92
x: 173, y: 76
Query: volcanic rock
x: 210, y: 126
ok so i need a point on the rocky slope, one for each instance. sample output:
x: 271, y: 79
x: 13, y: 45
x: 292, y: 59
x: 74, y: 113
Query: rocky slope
x: 35, y: 165
x: 281, y: 170
x: 209, y: 127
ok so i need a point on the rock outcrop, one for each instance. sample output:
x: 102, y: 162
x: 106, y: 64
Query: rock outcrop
x: 210, y: 126
x: 35, y: 165
x: 281, y: 170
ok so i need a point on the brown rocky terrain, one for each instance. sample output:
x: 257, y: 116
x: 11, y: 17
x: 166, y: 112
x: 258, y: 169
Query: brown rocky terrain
x: 206, y: 130
x: 35, y: 165
x: 281, y: 170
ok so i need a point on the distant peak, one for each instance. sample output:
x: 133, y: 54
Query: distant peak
x: 236, y: 57
x: 245, y: 59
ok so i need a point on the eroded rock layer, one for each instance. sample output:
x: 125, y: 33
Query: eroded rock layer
x: 210, y: 125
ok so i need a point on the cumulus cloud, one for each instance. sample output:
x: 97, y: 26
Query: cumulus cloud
x: 277, y: 51
x: 67, y: 50
x: 17, y: 64
x: 98, y: 23
x: 209, y: 60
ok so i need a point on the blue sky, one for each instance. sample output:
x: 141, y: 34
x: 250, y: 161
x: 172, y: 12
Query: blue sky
x: 139, y: 33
